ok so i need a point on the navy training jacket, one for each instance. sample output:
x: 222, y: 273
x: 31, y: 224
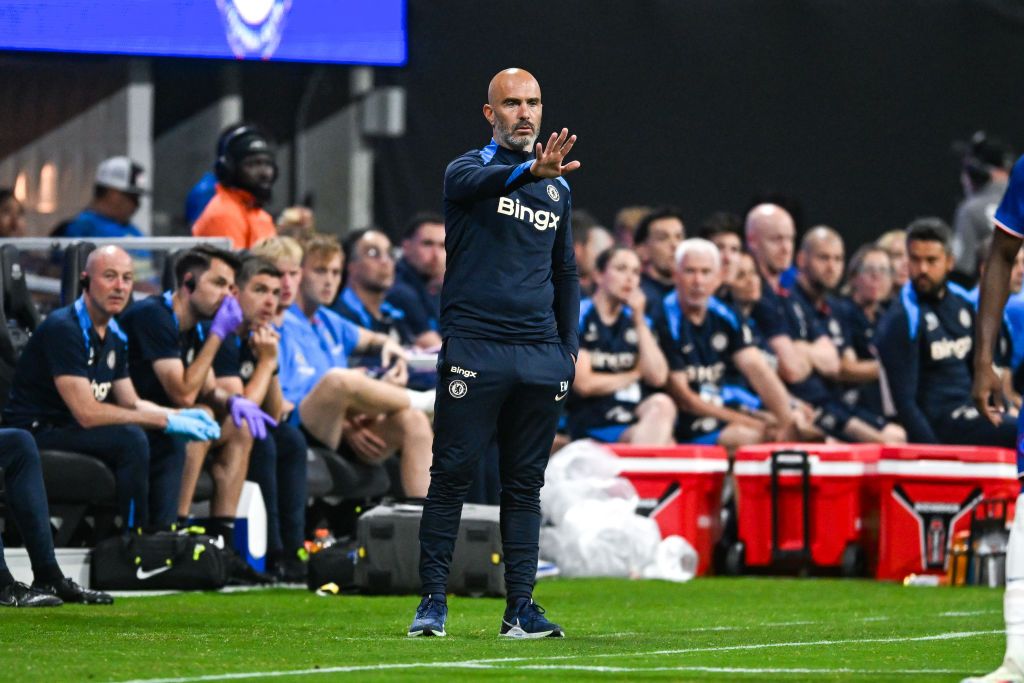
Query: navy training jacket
x: 511, y: 272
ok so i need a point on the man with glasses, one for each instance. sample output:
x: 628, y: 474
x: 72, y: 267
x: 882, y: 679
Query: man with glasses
x: 370, y: 273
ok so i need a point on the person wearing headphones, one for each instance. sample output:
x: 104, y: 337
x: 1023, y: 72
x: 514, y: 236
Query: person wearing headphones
x: 246, y: 171
x: 71, y: 389
x: 985, y: 172
x: 170, y: 358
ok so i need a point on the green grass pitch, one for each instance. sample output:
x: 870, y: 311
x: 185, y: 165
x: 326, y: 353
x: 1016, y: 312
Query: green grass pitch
x: 709, y: 629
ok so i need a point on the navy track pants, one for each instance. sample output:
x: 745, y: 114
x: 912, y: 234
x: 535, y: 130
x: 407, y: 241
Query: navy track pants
x: 485, y: 390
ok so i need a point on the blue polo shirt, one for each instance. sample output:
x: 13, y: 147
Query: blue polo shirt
x: 66, y: 343
x: 91, y: 224
x: 310, y: 349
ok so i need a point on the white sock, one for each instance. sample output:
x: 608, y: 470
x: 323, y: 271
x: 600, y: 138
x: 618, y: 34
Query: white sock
x: 1013, y: 599
x: 422, y: 400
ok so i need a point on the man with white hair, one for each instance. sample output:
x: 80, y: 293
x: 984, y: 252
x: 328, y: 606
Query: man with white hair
x: 704, y: 342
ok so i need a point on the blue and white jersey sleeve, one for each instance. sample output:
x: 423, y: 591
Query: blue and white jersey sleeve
x: 472, y: 177
x: 1010, y: 214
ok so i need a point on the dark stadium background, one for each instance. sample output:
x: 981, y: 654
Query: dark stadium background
x: 851, y: 107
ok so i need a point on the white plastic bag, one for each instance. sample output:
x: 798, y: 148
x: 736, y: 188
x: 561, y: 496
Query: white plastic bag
x: 674, y: 560
x: 604, y: 538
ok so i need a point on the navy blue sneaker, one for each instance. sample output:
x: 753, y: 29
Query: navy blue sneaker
x: 526, y: 619
x: 430, y: 618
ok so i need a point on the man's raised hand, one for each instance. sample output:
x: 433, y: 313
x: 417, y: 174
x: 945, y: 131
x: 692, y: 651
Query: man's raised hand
x: 549, y: 157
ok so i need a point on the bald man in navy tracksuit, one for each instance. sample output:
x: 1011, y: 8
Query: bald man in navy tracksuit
x: 509, y: 310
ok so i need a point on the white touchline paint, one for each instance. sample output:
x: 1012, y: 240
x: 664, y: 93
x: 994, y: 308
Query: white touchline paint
x: 489, y: 663
x: 734, y: 669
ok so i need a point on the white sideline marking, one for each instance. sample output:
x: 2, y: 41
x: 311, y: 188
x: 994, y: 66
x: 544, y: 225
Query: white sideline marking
x: 490, y: 663
x: 970, y: 614
x: 734, y: 670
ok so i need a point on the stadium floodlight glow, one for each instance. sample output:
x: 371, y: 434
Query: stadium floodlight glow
x: 326, y: 31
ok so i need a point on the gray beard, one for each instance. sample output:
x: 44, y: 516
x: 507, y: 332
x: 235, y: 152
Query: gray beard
x: 523, y: 143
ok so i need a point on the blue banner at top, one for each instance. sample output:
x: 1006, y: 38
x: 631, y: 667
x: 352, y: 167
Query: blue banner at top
x: 328, y: 31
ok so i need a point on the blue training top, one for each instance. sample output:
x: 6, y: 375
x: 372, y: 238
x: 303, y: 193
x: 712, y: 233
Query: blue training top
x: 511, y: 271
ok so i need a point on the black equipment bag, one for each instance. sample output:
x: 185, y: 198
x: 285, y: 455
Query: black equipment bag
x: 389, y: 551
x: 161, y: 561
x: 334, y: 564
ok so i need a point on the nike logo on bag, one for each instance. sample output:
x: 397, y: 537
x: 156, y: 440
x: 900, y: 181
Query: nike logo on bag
x: 143, y: 574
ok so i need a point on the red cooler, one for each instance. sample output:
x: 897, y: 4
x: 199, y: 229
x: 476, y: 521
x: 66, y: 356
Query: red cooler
x: 801, y: 506
x: 681, y: 486
x: 927, y: 494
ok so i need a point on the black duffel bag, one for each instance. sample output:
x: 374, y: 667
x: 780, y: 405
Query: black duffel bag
x: 161, y: 561
x: 334, y: 564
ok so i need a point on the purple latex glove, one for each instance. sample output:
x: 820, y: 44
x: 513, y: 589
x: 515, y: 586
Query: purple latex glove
x: 243, y: 409
x: 227, y: 319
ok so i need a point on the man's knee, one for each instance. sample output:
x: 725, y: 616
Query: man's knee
x: 661, y: 407
x: 16, y: 447
x: 414, y: 423
x: 132, y: 445
x: 341, y: 381
x: 894, y: 433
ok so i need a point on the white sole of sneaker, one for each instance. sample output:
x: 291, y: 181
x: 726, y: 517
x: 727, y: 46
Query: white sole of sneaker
x: 518, y: 633
x: 427, y: 633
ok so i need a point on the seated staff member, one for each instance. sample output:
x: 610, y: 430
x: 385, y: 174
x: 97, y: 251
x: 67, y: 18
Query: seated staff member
x: 925, y: 343
x: 819, y: 270
x: 329, y: 400
x: 26, y: 500
x: 370, y: 275
x: 246, y: 364
x: 71, y: 389
x: 418, y: 275
x: 618, y: 357
x: 170, y: 359
x: 869, y: 287
x: 703, y: 340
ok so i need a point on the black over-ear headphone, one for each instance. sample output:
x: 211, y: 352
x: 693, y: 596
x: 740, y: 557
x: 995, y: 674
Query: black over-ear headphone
x: 84, y: 282
x: 224, y: 166
x: 189, y: 282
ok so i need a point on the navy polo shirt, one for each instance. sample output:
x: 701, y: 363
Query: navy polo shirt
x: 704, y: 352
x: 392, y: 323
x: 154, y: 334
x: 612, y: 348
x: 235, y: 358
x: 66, y: 343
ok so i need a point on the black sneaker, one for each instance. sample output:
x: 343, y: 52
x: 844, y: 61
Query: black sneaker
x: 69, y: 591
x: 290, y: 570
x: 19, y: 595
x: 241, y: 573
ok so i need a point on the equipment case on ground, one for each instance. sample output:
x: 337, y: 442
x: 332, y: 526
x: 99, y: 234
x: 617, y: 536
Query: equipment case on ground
x: 388, y: 551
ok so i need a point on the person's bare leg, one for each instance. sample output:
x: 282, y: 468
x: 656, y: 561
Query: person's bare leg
x: 410, y: 433
x: 859, y: 431
x: 230, y: 464
x: 656, y: 418
x: 195, y: 456
x: 737, y: 435
x: 894, y: 433
x: 338, y: 392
